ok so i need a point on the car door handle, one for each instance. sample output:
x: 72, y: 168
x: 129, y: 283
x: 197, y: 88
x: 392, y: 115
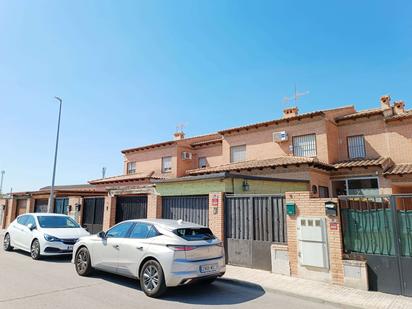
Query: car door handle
x: 139, y: 248
x: 116, y: 246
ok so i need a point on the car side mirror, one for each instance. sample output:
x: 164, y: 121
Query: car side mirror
x: 101, y: 235
x: 31, y: 227
x: 85, y: 227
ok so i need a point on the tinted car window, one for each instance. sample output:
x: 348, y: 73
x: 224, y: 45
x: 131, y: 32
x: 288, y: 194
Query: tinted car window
x: 140, y: 230
x: 153, y: 232
x: 57, y: 222
x: 22, y: 220
x: 119, y: 231
x: 192, y: 234
x: 30, y: 220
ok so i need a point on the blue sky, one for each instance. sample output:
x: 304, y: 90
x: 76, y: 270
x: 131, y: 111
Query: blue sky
x: 130, y: 71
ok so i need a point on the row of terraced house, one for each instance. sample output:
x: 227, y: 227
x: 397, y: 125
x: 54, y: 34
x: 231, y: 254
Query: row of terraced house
x: 265, y: 182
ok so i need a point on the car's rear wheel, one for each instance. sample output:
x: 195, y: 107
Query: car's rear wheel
x: 83, y: 262
x: 7, y: 243
x: 35, y: 250
x: 152, y: 280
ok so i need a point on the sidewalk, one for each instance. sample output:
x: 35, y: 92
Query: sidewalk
x: 318, y: 291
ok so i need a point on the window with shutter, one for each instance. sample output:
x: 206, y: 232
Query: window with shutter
x: 237, y: 153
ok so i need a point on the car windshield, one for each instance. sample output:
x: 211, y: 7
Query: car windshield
x: 57, y: 222
x: 193, y: 234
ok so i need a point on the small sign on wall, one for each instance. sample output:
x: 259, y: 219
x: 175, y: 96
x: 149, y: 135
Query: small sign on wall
x: 215, y: 200
x: 333, y: 226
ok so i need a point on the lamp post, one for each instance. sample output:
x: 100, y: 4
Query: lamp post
x: 51, y: 199
x: 1, y: 182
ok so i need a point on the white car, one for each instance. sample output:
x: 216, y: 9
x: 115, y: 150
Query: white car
x: 43, y: 234
x: 160, y: 253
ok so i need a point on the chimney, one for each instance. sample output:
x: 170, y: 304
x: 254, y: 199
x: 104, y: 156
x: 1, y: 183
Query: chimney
x: 385, y: 102
x: 398, y: 107
x: 290, y: 112
x: 179, y: 135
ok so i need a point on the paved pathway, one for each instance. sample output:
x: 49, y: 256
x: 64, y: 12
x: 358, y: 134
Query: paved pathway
x: 314, y: 290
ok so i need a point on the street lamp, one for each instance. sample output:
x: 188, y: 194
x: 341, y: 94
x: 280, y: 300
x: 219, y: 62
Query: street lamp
x: 1, y: 182
x: 51, y: 199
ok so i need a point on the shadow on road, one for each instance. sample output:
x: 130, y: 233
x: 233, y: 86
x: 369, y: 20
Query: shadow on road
x: 50, y: 259
x: 221, y: 292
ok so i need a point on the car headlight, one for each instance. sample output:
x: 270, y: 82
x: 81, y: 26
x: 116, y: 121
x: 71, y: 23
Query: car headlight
x: 51, y: 238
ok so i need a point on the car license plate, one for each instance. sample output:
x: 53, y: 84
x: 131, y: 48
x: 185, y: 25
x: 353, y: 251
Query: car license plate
x: 208, y: 268
x: 69, y: 247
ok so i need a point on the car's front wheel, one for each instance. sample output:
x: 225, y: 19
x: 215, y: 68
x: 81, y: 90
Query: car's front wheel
x: 83, y: 263
x: 35, y: 250
x: 7, y: 243
x: 152, y: 280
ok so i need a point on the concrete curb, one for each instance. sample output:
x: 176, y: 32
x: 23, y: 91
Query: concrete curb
x: 278, y: 291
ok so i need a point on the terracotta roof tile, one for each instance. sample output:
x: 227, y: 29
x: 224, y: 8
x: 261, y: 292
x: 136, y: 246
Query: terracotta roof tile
x: 382, y: 162
x: 364, y: 113
x: 267, y: 123
x: 252, y: 164
x: 406, y: 114
x: 207, y: 142
x: 400, y: 169
x: 131, y: 177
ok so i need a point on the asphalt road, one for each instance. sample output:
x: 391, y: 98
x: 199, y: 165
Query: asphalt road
x: 53, y: 283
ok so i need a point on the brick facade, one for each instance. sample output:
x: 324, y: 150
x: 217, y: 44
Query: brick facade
x: 217, y: 213
x: 308, y: 206
x: 154, y: 206
x: 109, y: 216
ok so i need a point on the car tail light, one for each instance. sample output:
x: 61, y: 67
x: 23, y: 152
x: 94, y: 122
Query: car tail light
x: 181, y: 248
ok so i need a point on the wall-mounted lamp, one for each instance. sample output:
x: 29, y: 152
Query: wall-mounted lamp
x: 245, y: 185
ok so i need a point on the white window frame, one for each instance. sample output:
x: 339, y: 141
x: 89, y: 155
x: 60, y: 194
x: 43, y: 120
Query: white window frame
x: 129, y: 170
x: 295, y: 148
x: 169, y: 168
x: 237, y: 147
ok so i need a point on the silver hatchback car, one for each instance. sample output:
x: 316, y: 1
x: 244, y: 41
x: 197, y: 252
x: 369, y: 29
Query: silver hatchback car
x: 160, y: 253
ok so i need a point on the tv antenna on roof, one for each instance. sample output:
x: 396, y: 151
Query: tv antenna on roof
x: 180, y: 127
x: 296, y: 96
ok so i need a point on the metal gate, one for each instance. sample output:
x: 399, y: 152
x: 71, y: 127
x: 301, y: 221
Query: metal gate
x: 131, y: 207
x: 379, y: 229
x: 61, y: 205
x: 193, y: 208
x: 40, y: 205
x: 93, y: 209
x: 253, y: 223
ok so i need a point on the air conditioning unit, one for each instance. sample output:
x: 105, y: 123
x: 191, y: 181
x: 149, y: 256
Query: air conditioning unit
x: 279, y: 137
x: 186, y: 155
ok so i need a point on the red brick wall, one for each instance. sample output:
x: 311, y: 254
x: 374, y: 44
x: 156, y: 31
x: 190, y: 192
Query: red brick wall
x: 154, y: 206
x: 109, y: 215
x: 216, y: 214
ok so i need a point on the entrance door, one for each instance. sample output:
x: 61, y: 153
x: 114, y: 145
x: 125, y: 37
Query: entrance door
x: 61, y: 205
x: 93, y: 209
x: 253, y: 223
x: 193, y: 208
x: 131, y: 207
x: 379, y: 228
x: 40, y: 205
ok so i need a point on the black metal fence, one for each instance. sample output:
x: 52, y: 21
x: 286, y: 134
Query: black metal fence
x: 253, y: 223
x: 194, y: 208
